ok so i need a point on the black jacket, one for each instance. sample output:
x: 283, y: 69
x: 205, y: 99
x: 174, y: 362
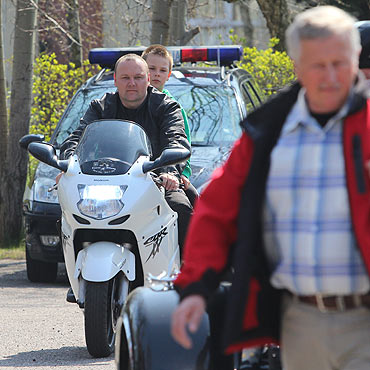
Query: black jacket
x: 159, y: 115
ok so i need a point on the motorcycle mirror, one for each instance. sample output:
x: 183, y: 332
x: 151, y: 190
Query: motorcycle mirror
x: 168, y: 157
x: 28, y: 139
x: 46, y: 153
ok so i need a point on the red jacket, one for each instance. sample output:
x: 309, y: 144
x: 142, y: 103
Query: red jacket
x: 226, y: 228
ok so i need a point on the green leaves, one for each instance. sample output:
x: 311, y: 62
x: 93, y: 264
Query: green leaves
x: 271, y: 69
x: 54, y: 84
x: 53, y: 87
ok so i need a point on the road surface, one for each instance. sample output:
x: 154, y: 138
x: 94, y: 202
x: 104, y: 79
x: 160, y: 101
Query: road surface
x: 39, y: 330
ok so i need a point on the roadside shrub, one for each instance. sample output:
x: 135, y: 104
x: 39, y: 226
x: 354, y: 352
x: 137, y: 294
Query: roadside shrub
x: 53, y: 87
x: 270, y: 68
x: 54, y: 84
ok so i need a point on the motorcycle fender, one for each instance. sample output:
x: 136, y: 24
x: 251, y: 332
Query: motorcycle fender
x: 144, y: 337
x: 101, y: 261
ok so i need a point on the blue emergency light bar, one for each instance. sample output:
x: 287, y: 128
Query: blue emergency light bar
x: 223, y: 55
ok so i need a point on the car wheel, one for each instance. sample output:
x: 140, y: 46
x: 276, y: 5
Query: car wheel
x: 40, y: 271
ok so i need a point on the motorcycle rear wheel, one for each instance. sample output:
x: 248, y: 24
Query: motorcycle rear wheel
x: 102, y: 309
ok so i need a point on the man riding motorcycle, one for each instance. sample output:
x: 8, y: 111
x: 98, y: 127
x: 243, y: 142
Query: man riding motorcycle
x: 156, y: 113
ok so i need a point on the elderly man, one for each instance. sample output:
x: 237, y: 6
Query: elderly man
x: 290, y: 210
x: 159, y: 115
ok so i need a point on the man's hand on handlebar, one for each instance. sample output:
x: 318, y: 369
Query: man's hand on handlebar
x: 58, y: 177
x: 185, y: 181
x: 170, y: 182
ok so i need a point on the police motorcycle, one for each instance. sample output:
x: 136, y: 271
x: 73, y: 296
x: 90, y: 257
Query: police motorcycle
x: 116, y: 225
x: 144, y: 341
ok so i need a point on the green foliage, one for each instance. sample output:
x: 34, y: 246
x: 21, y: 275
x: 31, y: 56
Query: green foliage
x: 270, y: 68
x: 53, y: 87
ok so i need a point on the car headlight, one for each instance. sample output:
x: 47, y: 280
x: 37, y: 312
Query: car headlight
x: 40, y: 190
x: 100, y: 201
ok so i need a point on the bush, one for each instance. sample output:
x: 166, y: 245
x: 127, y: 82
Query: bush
x: 54, y: 84
x: 53, y: 87
x: 270, y: 68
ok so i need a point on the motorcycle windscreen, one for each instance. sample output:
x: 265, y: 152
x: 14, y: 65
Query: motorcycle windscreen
x: 110, y: 147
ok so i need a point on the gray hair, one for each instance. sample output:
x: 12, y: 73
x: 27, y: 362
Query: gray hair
x: 321, y: 22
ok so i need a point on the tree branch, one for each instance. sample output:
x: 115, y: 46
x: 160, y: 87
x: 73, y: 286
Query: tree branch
x: 188, y: 35
x: 57, y: 25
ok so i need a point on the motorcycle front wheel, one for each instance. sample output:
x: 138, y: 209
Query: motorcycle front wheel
x: 103, y: 304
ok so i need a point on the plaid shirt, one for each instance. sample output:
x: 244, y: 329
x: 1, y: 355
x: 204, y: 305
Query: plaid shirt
x: 308, y: 235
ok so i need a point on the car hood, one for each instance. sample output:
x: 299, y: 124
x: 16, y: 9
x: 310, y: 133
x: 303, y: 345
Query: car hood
x: 44, y: 170
x: 204, y: 160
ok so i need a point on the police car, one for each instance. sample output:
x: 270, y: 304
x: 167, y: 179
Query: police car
x: 216, y: 99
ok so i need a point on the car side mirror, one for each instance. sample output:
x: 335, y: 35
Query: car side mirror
x: 28, y: 139
x: 46, y: 153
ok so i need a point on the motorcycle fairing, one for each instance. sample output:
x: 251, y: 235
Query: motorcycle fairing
x: 101, y: 261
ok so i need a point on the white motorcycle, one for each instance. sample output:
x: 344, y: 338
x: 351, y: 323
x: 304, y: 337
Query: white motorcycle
x: 116, y: 225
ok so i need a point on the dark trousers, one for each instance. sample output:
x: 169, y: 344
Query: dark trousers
x: 192, y: 194
x: 180, y: 203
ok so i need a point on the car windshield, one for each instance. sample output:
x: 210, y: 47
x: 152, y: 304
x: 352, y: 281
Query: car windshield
x: 111, y: 146
x: 213, y: 114
x: 76, y: 110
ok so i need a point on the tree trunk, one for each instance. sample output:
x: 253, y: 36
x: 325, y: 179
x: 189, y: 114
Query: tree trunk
x: 73, y: 19
x: 177, y: 21
x: 3, y: 110
x: 277, y: 17
x: 178, y: 35
x: 160, y: 24
x: 14, y: 177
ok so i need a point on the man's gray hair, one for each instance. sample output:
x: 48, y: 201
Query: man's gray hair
x: 321, y: 22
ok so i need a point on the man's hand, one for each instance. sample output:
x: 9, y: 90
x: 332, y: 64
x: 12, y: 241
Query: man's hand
x: 185, y: 181
x: 58, y: 177
x: 170, y: 182
x: 187, y: 314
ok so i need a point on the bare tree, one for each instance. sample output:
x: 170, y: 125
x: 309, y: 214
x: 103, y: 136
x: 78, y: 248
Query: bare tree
x: 3, y: 110
x: 278, y: 18
x: 14, y: 165
x: 178, y: 34
x: 169, y: 23
x: 73, y: 19
x: 60, y: 30
x: 160, y: 21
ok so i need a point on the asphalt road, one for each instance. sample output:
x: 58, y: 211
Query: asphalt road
x: 38, y: 328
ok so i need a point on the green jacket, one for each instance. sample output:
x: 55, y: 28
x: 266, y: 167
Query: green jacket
x: 187, y: 169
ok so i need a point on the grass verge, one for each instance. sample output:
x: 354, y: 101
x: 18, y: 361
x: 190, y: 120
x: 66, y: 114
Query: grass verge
x: 13, y: 251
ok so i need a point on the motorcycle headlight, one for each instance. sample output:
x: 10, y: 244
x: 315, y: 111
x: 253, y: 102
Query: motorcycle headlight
x: 100, y: 201
x: 40, y: 190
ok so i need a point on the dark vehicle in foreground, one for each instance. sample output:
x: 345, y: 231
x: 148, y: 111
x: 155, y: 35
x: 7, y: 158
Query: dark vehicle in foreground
x: 215, y: 99
x: 144, y: 342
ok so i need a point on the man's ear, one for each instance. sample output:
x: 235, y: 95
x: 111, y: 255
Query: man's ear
x: 114, y: 78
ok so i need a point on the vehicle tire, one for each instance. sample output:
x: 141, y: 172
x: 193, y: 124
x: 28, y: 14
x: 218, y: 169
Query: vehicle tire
x: 40, y: 271
x: 123, y: 357
x: 102, y: 309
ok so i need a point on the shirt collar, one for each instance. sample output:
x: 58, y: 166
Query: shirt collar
x: 300, y: 115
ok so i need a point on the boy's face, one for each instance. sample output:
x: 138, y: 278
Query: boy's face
x: 159, y: 70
